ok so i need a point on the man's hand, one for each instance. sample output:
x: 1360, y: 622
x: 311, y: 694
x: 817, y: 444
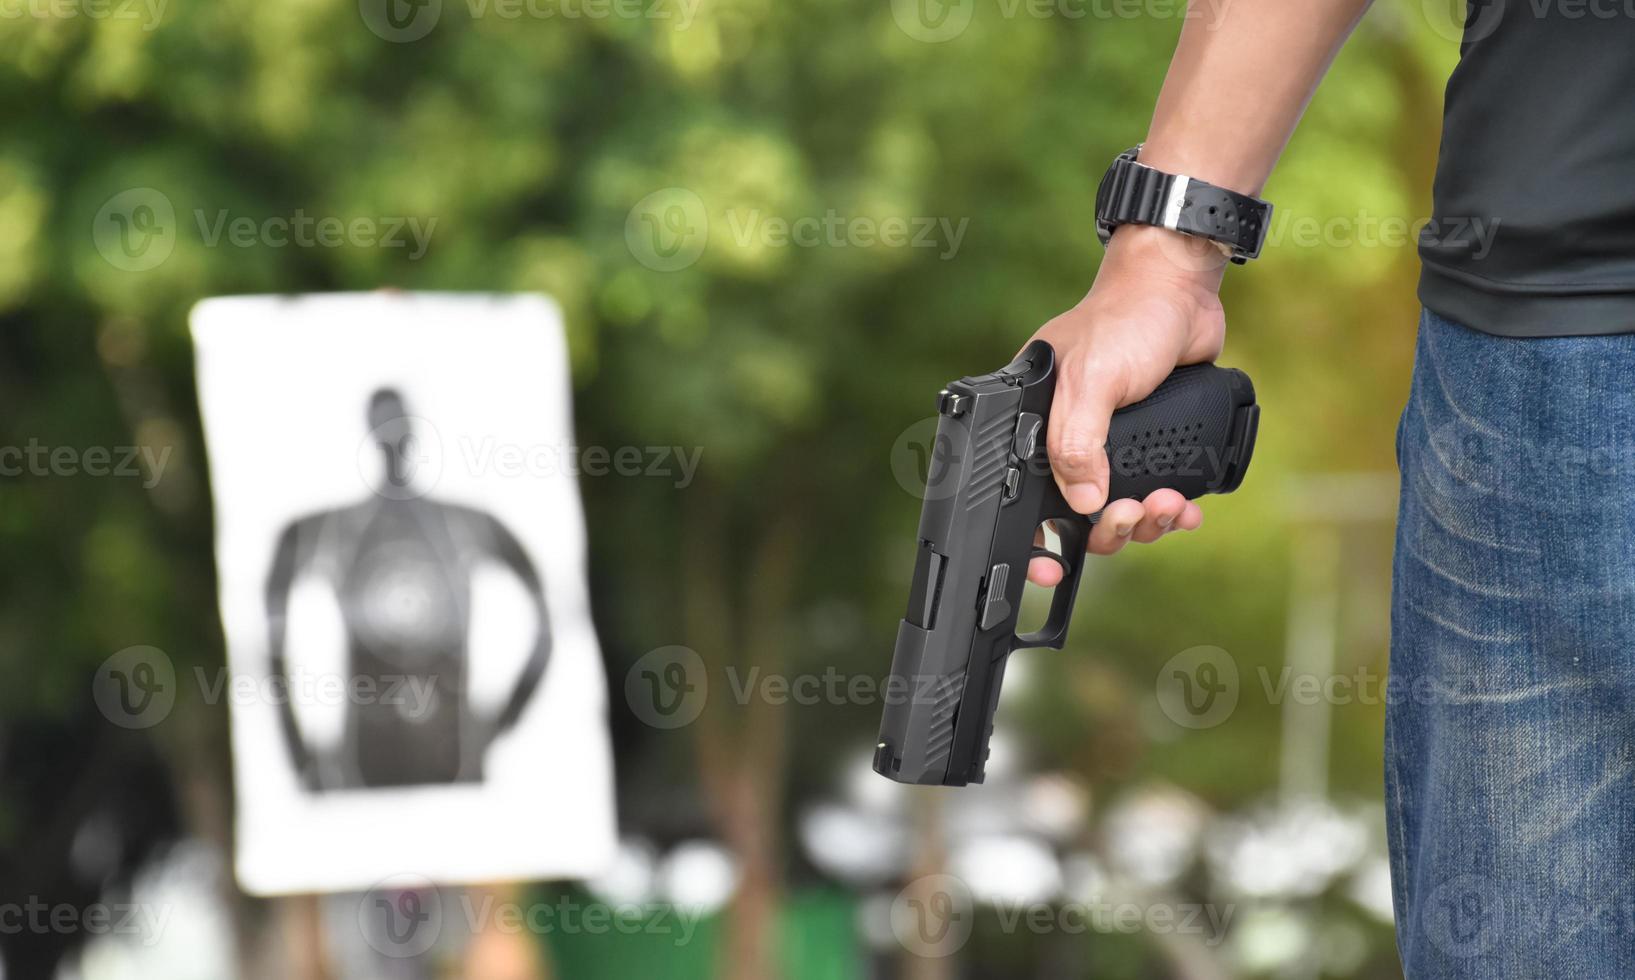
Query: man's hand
x: 1154, y: 306
x: 1222, y: 119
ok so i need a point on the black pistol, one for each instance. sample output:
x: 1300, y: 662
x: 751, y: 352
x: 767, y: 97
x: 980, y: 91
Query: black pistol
x: 989, y: 489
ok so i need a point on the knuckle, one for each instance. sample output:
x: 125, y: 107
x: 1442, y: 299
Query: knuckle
x: 1087, y: 371
x: 1078, y: 457
x: 1106, y: 546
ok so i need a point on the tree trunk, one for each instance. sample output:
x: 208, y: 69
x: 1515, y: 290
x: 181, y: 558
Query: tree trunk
x: 742, y: 747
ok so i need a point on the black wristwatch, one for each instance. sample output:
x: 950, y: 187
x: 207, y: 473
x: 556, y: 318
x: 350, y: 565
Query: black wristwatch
x: 1132, y: 193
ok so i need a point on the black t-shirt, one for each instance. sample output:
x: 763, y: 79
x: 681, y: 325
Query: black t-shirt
x: 1534, y: 226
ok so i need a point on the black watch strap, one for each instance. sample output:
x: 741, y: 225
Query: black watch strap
x: 1134, y: 194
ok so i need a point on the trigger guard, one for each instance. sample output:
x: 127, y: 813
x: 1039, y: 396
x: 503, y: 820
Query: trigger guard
x: 1060, y: 560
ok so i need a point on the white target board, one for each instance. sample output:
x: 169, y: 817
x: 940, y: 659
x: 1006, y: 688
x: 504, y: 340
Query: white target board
x: 412, y: 674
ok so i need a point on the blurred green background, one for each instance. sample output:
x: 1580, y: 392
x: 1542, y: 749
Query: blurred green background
x: 628, y: 159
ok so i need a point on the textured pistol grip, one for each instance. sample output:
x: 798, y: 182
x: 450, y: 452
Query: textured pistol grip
x: 1194, y: 434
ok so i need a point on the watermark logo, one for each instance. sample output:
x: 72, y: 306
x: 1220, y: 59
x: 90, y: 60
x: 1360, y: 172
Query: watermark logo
x: 668, y: 687
x: 136, y: 687
x: 1198, y: 687
x: 401, y: 916
x: 136, y: 229
x: 1464, y: 915
x: 400, y: 21
x: 1457, y: 20
x: 933, y: 21
x: 925, y: 461
x: 668, y: 229
x: 401, y: 458
x: 933, y: 915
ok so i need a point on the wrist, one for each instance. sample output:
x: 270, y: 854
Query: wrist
x: 1167, y: 259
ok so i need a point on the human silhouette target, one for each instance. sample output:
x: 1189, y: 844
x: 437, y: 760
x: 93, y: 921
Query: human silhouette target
x: 400, y: 565
x: 413, y: 677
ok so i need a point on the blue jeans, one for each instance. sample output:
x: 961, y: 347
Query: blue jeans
x: 1510, y: 725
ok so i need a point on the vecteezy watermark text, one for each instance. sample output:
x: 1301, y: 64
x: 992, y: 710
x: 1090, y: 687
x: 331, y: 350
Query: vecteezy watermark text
x: 403, y: 21
x: 302, y: 230
x: 669, y: 229
x: 404, y: 915
x: 150, y: 12
x: 423, y: 461
x: 137, y: 229
x: 681, y: 12
x: 1474, y: 235
x: 934, y: 916
x: 569, y: 917
x: 1468, y: 914
x: 39, y: 917
x: 125, y: 462
x: 925, y: 459
x: 1458, y: 20
x: 679, y: 464
x: 669, y: 687
x: 935, y: 21
x: 137, y: 688
x: 414, y: 694
x: 1201, y: 687
x: 835, y: 230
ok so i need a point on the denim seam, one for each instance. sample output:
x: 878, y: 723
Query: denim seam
x: 1399, y: 855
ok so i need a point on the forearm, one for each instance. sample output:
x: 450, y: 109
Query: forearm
x: 1241, y: 77
x: 1242, y: 74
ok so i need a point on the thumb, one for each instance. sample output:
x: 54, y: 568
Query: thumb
x: 1077, y: 440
